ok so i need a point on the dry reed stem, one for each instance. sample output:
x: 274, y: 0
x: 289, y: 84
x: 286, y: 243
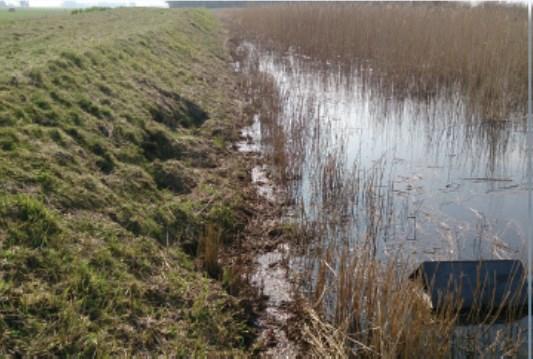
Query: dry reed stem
x: 412, y: 49
x: 362, y: 306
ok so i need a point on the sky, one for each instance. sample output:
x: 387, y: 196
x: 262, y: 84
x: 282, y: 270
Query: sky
x: 159, y: 3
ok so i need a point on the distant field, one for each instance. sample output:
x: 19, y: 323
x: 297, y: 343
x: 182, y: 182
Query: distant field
x: 25, y: 44
x: 21, y: 14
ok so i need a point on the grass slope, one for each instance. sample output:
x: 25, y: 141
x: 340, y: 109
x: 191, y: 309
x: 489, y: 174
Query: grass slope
x: 113, y: 127
x: 29, y: 13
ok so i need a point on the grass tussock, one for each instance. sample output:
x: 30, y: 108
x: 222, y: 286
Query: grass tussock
x: 109, y: 176
x: 209, y: 250
x: 410, y: 49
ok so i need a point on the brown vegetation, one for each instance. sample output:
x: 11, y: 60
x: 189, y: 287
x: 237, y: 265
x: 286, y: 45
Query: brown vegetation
x: 412, y: 49
x: 356, y: 304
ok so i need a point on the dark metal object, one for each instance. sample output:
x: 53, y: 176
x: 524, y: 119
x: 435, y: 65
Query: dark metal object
x: 478, y: 291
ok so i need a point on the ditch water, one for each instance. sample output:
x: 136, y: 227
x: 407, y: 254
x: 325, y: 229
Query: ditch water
x: 446, y: 185
x: 422, y: 178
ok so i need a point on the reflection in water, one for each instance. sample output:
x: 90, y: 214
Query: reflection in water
x: 449, y: 186
x: 414, y: 178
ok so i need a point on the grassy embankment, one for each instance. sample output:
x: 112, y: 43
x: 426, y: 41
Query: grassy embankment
x: 29, y: 13
x: 113, y: 127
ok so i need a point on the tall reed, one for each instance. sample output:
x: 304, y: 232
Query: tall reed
x: 360, y: 301
x: 411, y: 48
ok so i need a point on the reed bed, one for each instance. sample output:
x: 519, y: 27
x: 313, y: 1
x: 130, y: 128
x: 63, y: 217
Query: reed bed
x: 410, y: 49
x: 367, y: 295
x: 358, y: 300
x: 375, y: 310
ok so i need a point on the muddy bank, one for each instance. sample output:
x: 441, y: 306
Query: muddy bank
x: 270, y: 266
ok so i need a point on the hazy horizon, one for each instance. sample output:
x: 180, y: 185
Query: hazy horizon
x: 59, y: 3
x: 155, y: 3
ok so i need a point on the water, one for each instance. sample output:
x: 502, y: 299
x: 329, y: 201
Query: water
x: 422, y: 178
x: 448, y: 185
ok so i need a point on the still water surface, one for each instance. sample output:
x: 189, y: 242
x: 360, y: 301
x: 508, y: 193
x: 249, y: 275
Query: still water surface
x: 446, y: 185
x: 423, y: 177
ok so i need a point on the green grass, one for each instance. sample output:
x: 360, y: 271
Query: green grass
x: 110, y: 131
x: 29, y: 14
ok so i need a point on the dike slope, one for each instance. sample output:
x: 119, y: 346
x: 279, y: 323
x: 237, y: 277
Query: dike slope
x: 114, y: 128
